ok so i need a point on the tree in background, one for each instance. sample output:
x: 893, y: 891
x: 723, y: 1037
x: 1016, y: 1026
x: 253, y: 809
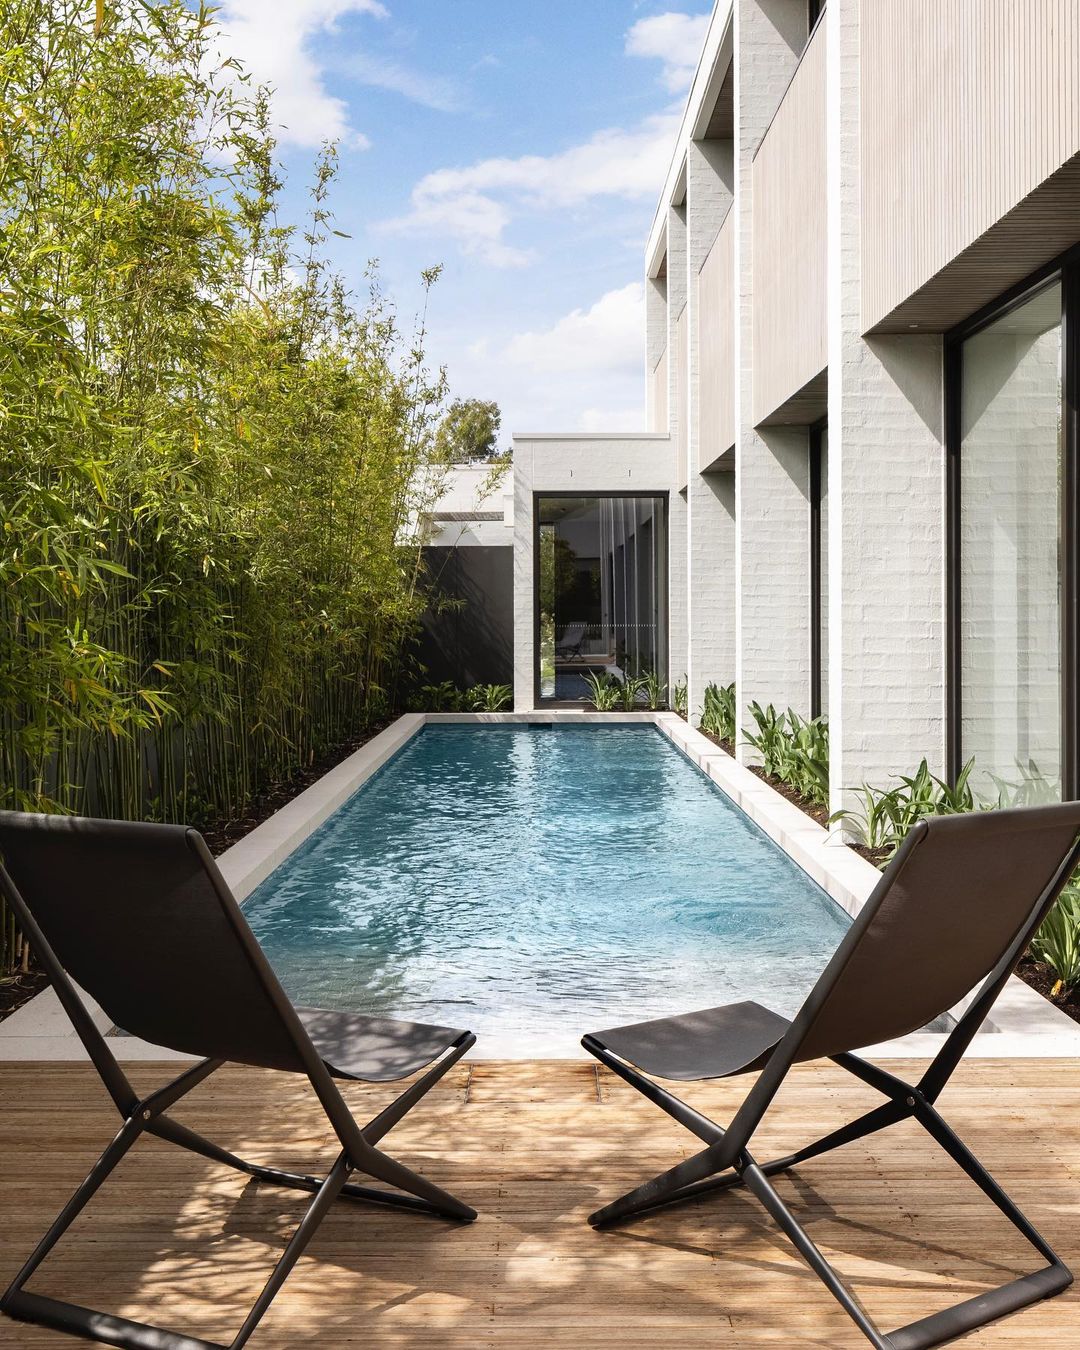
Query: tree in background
x: 469, y: 431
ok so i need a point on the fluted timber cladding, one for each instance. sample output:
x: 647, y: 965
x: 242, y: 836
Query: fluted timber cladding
x: 967, y: 106
x: 790, y: 210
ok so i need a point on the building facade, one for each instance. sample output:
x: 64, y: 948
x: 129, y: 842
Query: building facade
x: 859, y: 493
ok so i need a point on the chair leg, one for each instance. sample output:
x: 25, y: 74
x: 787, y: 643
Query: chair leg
x: 327, y: 1193
x: 707, y: 1173
x: 415, y: 1193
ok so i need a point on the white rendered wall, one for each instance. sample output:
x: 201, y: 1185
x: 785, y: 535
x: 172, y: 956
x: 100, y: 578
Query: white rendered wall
x: 772, y: 522
x: 886, y: 493
x: 593, y: 466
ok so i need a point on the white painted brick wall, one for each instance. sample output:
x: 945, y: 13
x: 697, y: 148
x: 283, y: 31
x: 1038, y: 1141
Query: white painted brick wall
x: 592, y: 465
x: 711, y: 497
x: 772, y: 471
x: 886, y: 493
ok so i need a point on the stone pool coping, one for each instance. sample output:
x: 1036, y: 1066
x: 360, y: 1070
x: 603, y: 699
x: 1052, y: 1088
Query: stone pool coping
x: 1024, y: 1024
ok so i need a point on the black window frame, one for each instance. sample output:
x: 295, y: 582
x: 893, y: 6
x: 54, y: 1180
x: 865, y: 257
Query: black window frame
x: 1064, y: 269
x: 815, y: 452
x: 663, y: 582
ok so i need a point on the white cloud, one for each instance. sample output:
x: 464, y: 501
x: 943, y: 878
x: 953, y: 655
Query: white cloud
x: 607, y: 337
x: 430, y: 91
x: 673, y: 39
x: 271, y: 39
x: 475, y: 204
x: 583, y: 372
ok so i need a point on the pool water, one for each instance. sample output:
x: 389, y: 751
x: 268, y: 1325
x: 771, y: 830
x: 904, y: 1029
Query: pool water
x: 533, y: 883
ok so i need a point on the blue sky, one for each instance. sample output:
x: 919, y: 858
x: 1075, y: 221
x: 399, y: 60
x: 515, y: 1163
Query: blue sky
x: 521, y: 145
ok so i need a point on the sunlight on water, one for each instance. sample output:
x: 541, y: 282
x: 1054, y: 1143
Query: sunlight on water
x: 532, y: 884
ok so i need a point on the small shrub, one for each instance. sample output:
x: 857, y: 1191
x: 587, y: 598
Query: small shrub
x: 769, y: 739
x: 629, y: 689
x: 605, y: 692
x: 1057, y: 943
x: 886, y: 815
x: 679, y: 697
x: 490, y: 697
x: 805, y: 763
x: 444, y: 697
x: 655, y: 690
x: 793, y: 749
x: 718, y: 711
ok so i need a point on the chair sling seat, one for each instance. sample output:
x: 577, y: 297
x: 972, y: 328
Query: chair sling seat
x: 955, y: 910
x: 713, y: 1043
x: 140, y: 917
x: 374, y: 1049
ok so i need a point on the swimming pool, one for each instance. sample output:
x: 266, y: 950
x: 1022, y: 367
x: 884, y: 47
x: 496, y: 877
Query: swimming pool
x: 534, y: 882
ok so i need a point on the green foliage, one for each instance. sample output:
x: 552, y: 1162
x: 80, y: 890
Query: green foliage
x: 631, y: 687
x: 605, y: 692
x: 793, y: 749
x: 885, y: 815
x: 718, y: 712
x: 490, y: 697
x: 213, y: 458
x: 444, y: 697
x: 469, y: 431
x: 769, y: 739
x: 655, y: 691
x: 679, y: 697
x: 1057, y: 942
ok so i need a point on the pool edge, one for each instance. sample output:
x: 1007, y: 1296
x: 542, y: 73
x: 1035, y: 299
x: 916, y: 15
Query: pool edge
x: 1025, y: 1025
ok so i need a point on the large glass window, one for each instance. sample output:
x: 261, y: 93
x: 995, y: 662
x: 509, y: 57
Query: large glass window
x: 1010, y: 554
x: 601, y: 591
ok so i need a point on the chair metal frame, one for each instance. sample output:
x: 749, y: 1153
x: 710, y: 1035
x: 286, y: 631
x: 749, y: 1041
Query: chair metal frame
x: 148, y: 1115
x: 726, y: 1161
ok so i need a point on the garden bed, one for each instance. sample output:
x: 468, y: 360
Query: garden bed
x: 1042, y: 979
x: 219, y: 835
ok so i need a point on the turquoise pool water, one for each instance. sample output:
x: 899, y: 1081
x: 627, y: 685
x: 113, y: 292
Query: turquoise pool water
x: 534, y: 883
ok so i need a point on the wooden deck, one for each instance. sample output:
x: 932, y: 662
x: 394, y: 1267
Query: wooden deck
x: 535, y: 1147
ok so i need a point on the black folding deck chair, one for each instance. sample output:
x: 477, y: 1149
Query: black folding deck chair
x: 142, y: 919
x: 957, y: 905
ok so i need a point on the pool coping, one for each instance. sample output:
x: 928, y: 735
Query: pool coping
x: 1024, y: 1024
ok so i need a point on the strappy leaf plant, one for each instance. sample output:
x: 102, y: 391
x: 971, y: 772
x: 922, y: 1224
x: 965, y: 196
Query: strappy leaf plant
x: 490, y: 697
x: 885, y: 815
x: 1057, y: 942
x: 718, y: 711
x: 680, y: 697
x: 655, y: 691
x: 631, y: 687
x: 604, y: 692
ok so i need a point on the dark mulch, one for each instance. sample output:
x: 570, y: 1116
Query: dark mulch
x: 16, y: 990
x: 812, y: 809
x: 727, y: 746
x: 222, y: 834
x: 1042, y: 980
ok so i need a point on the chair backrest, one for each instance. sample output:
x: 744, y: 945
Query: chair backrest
x: 141, y: 918
x: 960, y: 891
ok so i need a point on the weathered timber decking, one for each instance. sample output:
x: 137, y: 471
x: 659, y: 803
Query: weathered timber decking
x: 535, y: 1147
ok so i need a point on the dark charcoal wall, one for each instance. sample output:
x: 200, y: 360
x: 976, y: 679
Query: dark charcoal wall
x: 474, y: 643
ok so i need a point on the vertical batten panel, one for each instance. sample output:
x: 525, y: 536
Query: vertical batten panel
x: 789, y: 250
x: 965, y: 109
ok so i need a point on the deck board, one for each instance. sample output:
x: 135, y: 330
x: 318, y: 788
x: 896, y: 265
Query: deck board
x: 535, y: 1147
